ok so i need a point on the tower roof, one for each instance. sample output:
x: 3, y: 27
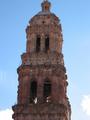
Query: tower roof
x: 46, y: 6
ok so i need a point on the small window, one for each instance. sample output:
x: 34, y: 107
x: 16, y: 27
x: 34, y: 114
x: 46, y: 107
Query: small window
x: 47, y: 91
x: 33, y: 91
x: 38, y: 44
x: 46, y: 43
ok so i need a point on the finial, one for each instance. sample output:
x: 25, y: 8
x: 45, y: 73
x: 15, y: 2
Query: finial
x: 46, y: 5
x: 45, y: 0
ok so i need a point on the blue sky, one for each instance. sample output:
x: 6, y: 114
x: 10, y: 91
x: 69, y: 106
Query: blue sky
x: 75, y: 20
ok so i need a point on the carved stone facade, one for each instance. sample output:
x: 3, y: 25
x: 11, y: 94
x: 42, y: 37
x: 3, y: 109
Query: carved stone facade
x: 42, y: 90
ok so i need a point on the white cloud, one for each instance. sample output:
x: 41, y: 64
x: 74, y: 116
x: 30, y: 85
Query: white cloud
x: 6, y: 114
x: 85, y: 103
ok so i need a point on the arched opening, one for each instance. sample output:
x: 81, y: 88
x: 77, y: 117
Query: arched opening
x: 33, y: 92
x: 38, y: 43
x: 47, y: 91
x: 46, y: 43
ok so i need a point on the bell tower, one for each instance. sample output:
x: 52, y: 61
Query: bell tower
x: 42, y: 89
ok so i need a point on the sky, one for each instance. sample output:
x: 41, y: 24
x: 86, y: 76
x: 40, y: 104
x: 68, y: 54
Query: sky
x: 75, y: 19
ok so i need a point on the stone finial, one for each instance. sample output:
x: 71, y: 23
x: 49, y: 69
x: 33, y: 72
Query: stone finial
x: 46, y: 6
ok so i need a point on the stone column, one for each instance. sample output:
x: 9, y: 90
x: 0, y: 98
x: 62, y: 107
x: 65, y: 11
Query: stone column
x: 42, y: 42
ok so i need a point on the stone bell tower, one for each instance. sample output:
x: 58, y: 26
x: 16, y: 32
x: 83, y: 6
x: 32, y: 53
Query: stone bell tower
x: 42, y: 90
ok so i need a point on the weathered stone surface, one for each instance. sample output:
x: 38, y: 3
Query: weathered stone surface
x: 42, y: 89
